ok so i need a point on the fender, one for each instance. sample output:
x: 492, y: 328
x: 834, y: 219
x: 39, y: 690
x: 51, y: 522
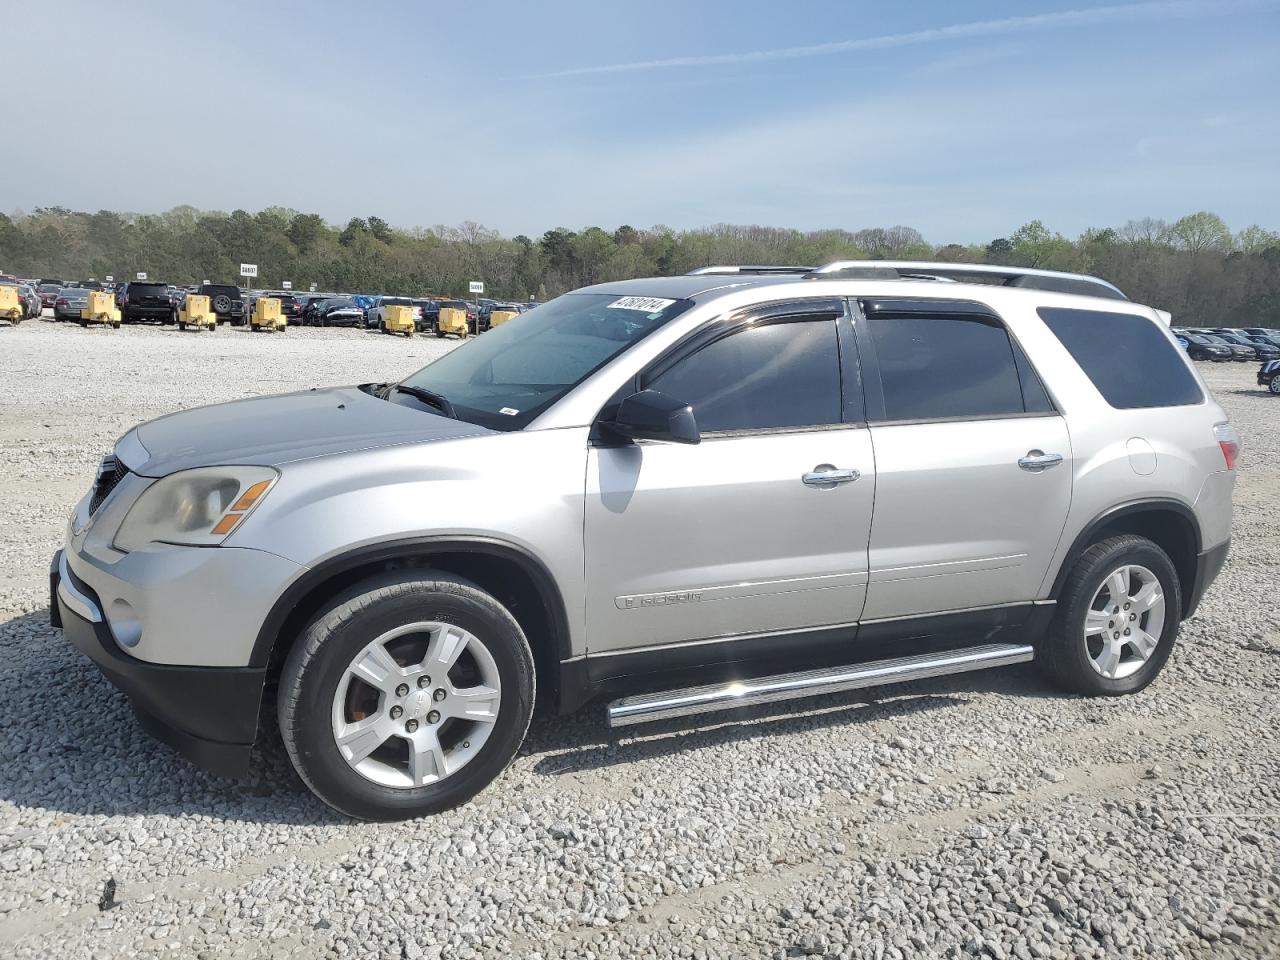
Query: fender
x: 545, y: 584
x: 1087, y: 535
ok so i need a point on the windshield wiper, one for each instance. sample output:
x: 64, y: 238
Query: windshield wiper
x: 437, y: 400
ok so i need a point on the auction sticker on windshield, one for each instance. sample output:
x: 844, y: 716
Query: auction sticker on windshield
x: 643, y: 304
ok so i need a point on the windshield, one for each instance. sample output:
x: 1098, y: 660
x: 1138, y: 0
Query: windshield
x: 515, y: 371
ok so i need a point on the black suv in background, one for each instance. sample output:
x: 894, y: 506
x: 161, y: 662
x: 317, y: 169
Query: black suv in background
x: 226, y: 300
x: 144, y: 300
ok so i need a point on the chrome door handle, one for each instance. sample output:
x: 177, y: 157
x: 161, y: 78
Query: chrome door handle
x: 828, y: 476
x: 1037, y: 460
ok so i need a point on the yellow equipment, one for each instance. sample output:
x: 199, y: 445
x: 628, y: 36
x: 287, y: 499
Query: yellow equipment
x: 196, y: 312
x: 11, y: 306
x: 452, y: 320
x: 100, y: 307
x: 267, y: 315
x: 498, y: 317
x: 397, y: 318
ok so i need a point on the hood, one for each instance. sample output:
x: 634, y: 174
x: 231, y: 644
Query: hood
x: 272, y: 431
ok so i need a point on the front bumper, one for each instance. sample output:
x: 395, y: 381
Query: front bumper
x: 208, y: 714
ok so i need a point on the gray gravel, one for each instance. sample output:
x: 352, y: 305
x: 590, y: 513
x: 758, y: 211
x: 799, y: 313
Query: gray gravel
x: 983, y: 815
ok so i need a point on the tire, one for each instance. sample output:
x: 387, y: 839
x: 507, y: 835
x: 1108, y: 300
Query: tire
x: 316, y: 695
x: 1274, y: 383
x: 115, y: 326
x: 182, y: 325
x: 1075, y: 661
x: 440, y: 334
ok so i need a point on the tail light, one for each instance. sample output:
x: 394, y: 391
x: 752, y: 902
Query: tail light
x: 1229, y: 441
x: 61, y: 301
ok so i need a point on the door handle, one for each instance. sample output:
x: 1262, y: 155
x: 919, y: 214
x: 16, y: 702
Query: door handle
x: 1037, y: 461
x: 825, y: 475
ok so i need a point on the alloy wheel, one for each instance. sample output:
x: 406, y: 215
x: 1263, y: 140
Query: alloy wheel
x: 1125, y: 619
x: 416, y: 704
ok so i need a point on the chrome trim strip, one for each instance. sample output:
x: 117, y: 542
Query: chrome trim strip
x: 730, y: 638
x: 76, y: 601
x: 738, y: 591
x: 811, y: 683
x: 946, y: 568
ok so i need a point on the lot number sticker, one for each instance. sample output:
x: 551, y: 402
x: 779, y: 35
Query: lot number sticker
x: 643, y: 304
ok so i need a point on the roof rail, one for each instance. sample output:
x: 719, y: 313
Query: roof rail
x: 1052, y: 280
x: 759, y: 269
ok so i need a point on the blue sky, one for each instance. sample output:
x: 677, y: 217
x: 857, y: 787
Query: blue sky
x: 963, y: 120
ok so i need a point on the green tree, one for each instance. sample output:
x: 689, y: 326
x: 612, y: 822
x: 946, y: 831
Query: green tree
x: 1201, y: 231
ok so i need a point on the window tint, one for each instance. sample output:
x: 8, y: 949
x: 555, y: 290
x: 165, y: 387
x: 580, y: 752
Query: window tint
x: 1035, y: 399
x: 776, y: 375
x: 939, y: 366
x: 1126, y: 356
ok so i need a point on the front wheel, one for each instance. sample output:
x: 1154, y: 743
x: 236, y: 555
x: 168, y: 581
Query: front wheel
x: 1274, y: 383
x: 1117, y: 619
x: 406, y: 697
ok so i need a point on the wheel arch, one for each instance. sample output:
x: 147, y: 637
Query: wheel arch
x: 513, y: 575
x: 1170, y: 524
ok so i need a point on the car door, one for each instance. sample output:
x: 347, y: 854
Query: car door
x: 973, y: 462
x: 760, y: 527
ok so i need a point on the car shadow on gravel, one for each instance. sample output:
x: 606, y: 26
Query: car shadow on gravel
x: 567, y: 753
x: 71, y: 743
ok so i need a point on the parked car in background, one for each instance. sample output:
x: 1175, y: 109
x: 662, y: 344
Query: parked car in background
x: 1269, y: 376
x: 1271, y: 341
x: 376, y: 314
x: 1199, y: 347
x: 339, y: 312
x: 1233, y: 340
x: 310, y: 304
x: 429, y: 314
x: 1264, y: 348
x: 69, y: 302
x: 1238, y: 352
x: 141, y: 300
x: 289, y: 306
x: 31, y: 302
x: 226, y: 300
x: 48, y: 293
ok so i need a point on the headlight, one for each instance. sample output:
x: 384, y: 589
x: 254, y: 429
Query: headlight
x: 196, y: 508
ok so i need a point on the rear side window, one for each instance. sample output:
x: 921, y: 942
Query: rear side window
x: 1126, y: 356
x: 940, y: 367
x: 774, y: 376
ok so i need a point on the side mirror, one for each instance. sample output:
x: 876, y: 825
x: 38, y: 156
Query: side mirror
x: 650, y: 415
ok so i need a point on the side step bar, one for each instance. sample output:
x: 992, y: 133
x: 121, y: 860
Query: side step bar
x: 811, y: 683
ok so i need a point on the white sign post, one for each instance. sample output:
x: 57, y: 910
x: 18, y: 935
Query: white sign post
x: 286, y: 284
x: 475, y: 288
x: 110, y: 278
x: 313, y: 288
x: 142, y: 274
x: 248, y: 269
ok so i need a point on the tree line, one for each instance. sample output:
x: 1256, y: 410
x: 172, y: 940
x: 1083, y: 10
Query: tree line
x: 1195, y: 267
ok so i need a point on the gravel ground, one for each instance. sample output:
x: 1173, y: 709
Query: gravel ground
x: 981, y: 815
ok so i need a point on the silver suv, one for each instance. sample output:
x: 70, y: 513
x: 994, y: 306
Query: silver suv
x: 683, y: 494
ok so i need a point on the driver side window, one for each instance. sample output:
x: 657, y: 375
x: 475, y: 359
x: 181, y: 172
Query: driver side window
x: 770, y: 376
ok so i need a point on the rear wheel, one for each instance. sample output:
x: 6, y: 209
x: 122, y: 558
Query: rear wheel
x: 407, y: 697
x: 1274, y: 383
x: 1117, y: 619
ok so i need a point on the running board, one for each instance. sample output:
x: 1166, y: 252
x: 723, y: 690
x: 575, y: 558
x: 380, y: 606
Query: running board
x: 812, y: 683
